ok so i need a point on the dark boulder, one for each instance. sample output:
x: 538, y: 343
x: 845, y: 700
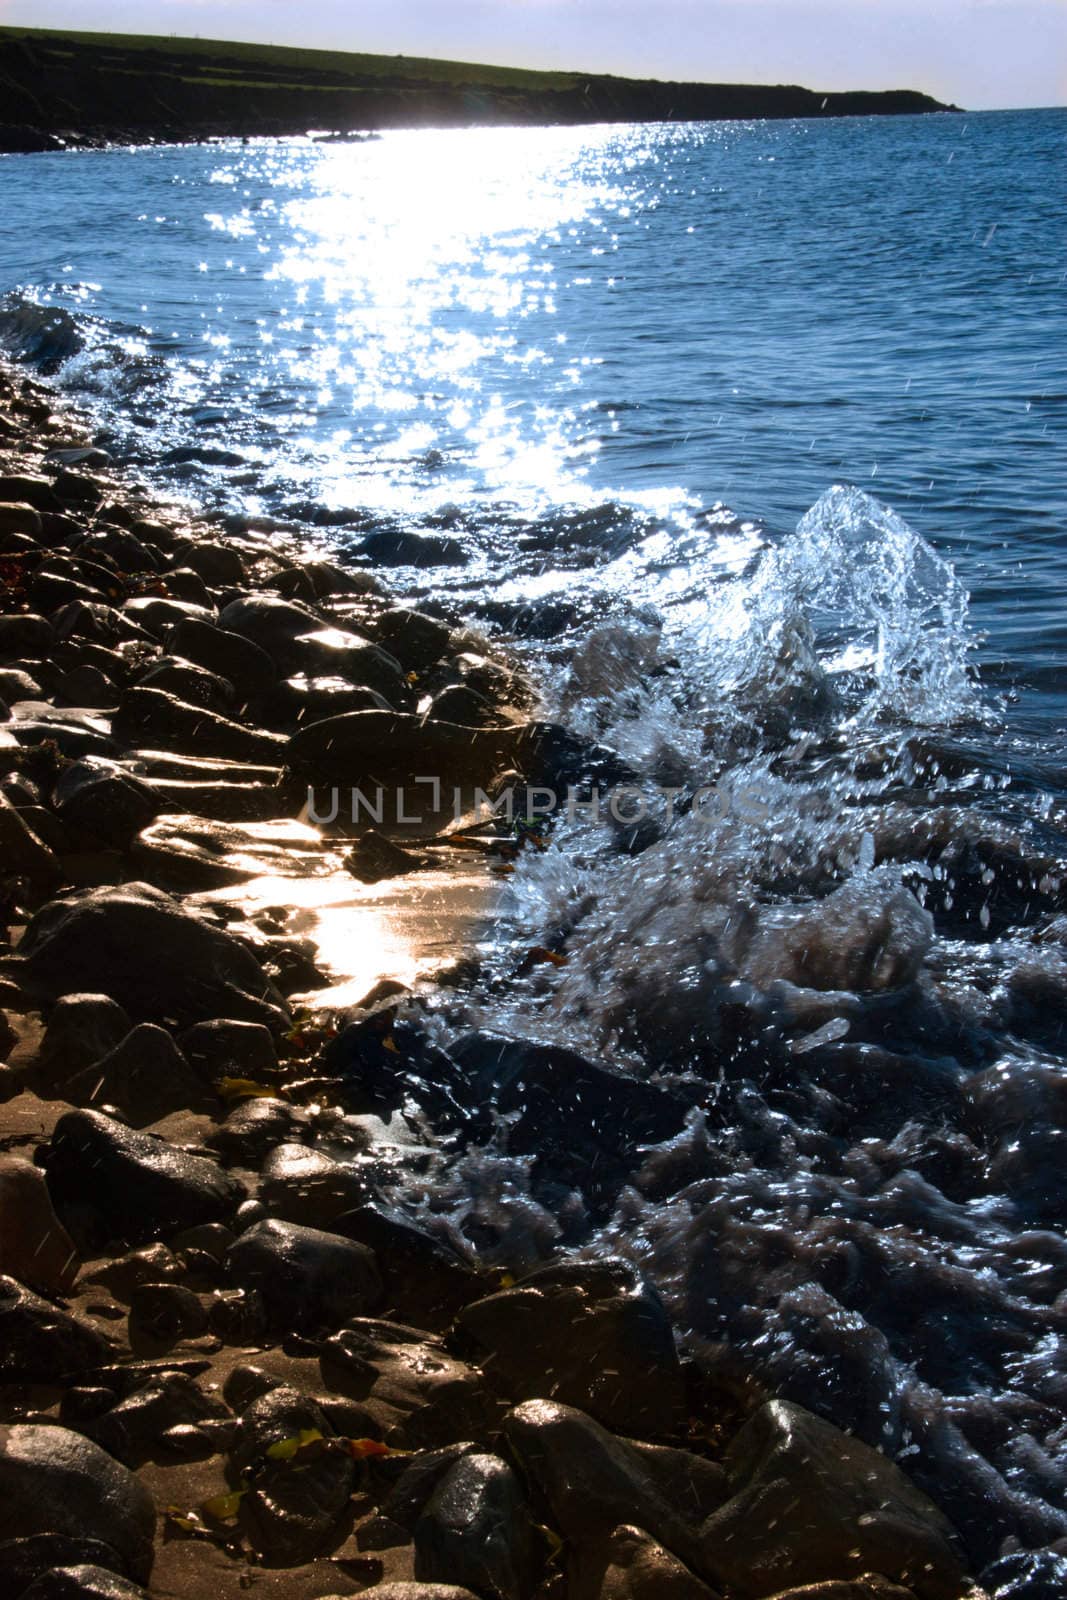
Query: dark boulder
x: 138, y: 946
x: 85, y: 1581
x: 307, y: 1278
x: 476, y: 1530
x: 141, y: 1188
x: 55, y: 1481
x: 160, y: 721
x: 229, y: 655
x: 39, y: 1343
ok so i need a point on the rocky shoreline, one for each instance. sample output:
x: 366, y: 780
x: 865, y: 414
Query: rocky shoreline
x: 227, y: 1364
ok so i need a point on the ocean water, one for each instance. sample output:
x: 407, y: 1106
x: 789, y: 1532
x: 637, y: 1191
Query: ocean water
x: 749, y: 438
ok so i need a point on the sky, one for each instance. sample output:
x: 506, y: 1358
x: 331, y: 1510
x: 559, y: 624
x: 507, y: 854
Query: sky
x: 974, y: 53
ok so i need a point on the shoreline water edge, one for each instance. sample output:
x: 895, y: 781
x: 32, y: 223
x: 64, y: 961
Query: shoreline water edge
x: 225, y: 1357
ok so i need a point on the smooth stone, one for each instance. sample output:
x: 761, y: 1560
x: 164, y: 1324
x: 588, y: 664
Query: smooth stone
x: 217, y: 564
x: 156, y: 615
x: 591, y: 1336
x: 301, y: 699
x: 593, y: 1482
x: 307, y: 1278
x: 24, y: 1560
x: 189, y: 855
x: 18, y: 516
x: 87, y: 685
x: 420, y: 1395
x: 146, y: 1077
x: 228, y: 654
x: 405, y: 1501
x: 134, y: 1430
x: 375, y: 858
x: 416, y: 640
x: 398, y: 747
x: 41, y: 1344
x: 254, y: 1129
x: 465, y: 706
x: 387, y: 547
x: 188, y: 586
x: 630, y: 1565
x: 226, y: 1048
x: 305, y: 1186
x: 102, y: 799
x: 83, y: 1582
x: 829, y: 1506
x: 152, y: 717
x: 28, y: 489
x: 424, y: 1280
x: 476, y: 1530
x: 18, y: 685
x: 35, y: 1248
x: 141, y: 948
x: 82, y: 1028
x: 142, y: 1187
x: 56, y: 1481
x: 289, y: 1514
x: 195, y: 685
x: 23, y: 853
x: 124, y: 1276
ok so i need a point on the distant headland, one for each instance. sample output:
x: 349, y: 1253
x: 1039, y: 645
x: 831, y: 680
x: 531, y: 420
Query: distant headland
x: 60, y: 89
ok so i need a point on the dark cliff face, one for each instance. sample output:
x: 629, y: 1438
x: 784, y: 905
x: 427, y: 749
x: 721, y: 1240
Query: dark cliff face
x: 62, y: 88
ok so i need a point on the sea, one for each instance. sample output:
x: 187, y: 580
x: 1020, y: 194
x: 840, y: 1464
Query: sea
x: 747, y: 438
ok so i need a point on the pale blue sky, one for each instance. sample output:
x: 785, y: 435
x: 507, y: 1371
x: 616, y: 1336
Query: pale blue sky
x: 978, y: 53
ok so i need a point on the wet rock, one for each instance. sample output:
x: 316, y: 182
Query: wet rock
x: 408, y: 1497
x: 84, y: 1581
x: 217, y: 564
x: 29, y: 489
x: 35, y: 1248
x: 477, y: 1531
x: 41, y: 1344
x: 398, y: 748
x: 135, y: 1429
x: 21, y: 851
x: 829, y: 1507
x: 307, y: 1278
x: 162, y: 721
x: 388, y: 547
x: 55, y: 1481
x: 416, y: 640
x: 424, y: 1281
x: 420, y: 1396
x: 15, y: 684
x: 187, y: 855
x: 238, y: 1316
x: 464, y: 705
x: 195, y: 685
x: 139, y: 947
x: 163, y: 1313
x: 82, y: 1028
x: 24, y: 636
x: 629, y: 1565
x: 142, y: 1188
x: 594, y: 1483
x: 157, y: 615
x: 254, y: 1129
x: 125, y: 1275
x: 188, y: 586
x: 374, y: 858
x: 592, y: 1336
x: 24, y: 1560
x: 18, y: 516
x: 305, y: 1186
x: 86, y: 685
x: 290, y: 1514
x: 269, y: 622
x: 229, y: 655
x: 301, y: 699
x: 226, y: 1048
x: 146, y: 1077
x: 582, y: 1118
x: 1027, y: 1575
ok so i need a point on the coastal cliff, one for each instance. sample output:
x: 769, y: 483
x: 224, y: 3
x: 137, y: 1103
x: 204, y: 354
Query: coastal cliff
x: 64, y: 89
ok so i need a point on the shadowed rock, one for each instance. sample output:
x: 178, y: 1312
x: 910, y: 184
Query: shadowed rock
x: 307, y: 1278
x: 41, y: 1344
x: 54, y: 1481
x: 477, y: 1530
x: 141, y: 1188
x: 138, y: 946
